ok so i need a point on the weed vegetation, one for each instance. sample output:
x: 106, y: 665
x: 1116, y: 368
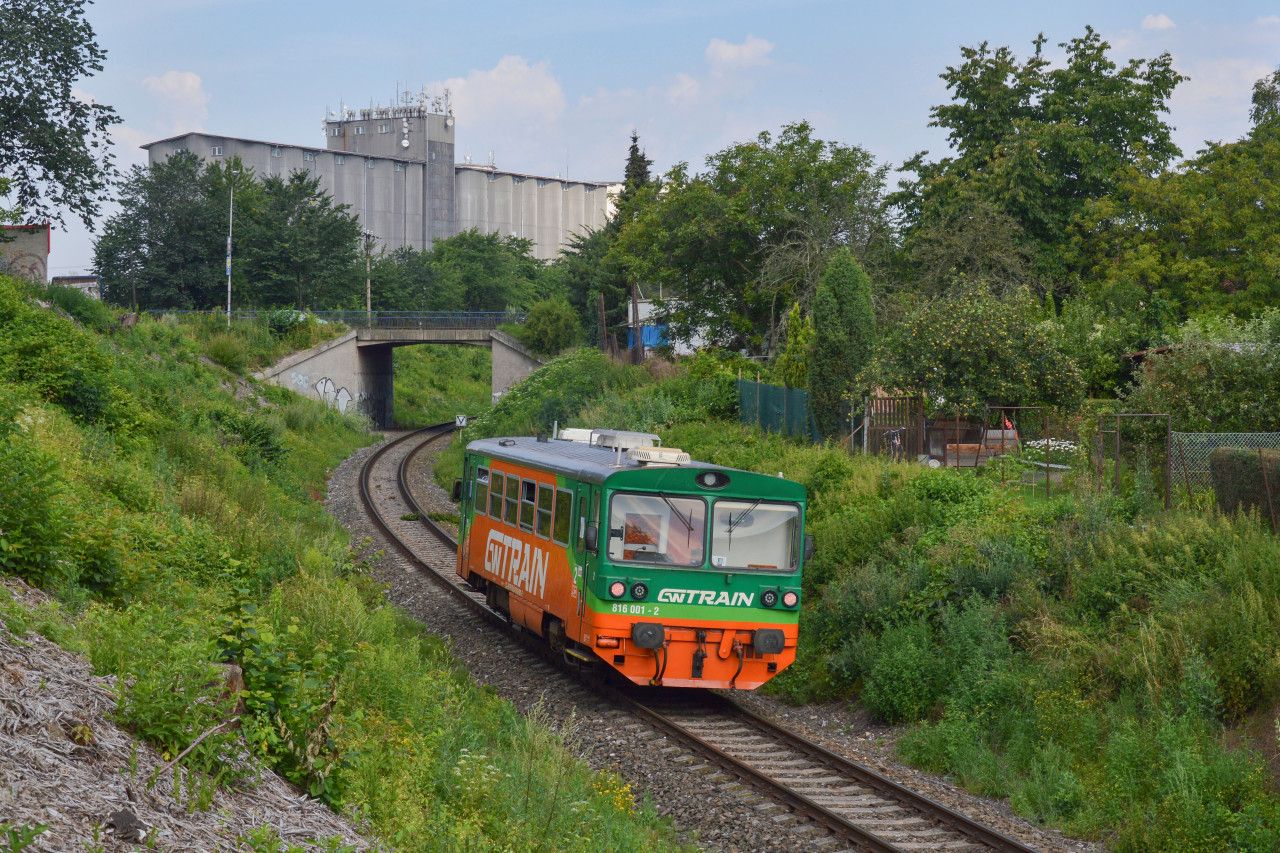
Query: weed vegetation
x: 1092, y: 658
x: 433, y: 383
x: 173, y: 509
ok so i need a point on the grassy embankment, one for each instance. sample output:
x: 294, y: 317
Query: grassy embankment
x: 1110, y: 668
x: 173, y: 509
x: 435, y: 382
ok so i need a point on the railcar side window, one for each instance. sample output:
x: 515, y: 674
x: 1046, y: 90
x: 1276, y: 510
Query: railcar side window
x: 495, y: 496
x: 482, y: 490
x: 663, y: 529
x: 544, y: 510
x: 528, y: 494
x: 564, y: 515
x: 513, y: 500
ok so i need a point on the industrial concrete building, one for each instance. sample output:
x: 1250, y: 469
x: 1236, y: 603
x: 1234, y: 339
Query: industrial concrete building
x: 396, y: 169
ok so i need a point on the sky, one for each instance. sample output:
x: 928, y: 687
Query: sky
x: 557, y: 87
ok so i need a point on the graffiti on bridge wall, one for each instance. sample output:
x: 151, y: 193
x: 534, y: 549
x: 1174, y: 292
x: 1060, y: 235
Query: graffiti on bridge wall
x: 338, y: 398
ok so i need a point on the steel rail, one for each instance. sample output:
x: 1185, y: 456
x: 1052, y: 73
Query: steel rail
x: 799, y: 803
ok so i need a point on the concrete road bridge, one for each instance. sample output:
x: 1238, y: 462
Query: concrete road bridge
x: 355, y: 370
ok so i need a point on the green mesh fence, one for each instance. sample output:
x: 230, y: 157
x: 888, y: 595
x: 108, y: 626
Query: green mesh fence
x: 776, y: 409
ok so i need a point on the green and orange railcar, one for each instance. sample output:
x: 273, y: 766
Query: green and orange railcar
x: 615, y: 550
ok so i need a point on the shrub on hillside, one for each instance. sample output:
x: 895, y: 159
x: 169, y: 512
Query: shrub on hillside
x: 551, y: 327
x: 1246, y: 481
x: 973, y: 348
x: 1216, y: 379
x: 91, y: 312
x: 228, y: 351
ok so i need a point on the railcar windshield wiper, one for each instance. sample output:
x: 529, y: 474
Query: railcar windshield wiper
x: 742, y: 516
x: 687, y: 522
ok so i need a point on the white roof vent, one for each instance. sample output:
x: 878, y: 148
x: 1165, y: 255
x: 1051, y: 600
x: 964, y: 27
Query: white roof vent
x: 623, y: 440
x: 575, y: 434
x: 665, y: 457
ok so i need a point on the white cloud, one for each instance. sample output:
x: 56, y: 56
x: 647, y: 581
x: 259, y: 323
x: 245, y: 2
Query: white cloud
x: 684, y: 89
x: 1268, y: 21
x: 724, y: 56
x: 512, y: 91
x: 183, y: 97
x: 1158, y: 22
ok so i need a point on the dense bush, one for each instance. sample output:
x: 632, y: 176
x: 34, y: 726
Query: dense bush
x: 1225, y: 381
x: 551, y: 327
x: 1246, y: 480
x: 972, y: 348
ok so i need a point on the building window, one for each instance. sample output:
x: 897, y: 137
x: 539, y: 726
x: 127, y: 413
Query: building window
x: 359, y: 130
x: 399, y: 167
x: 179, y: 151
x: 384, y: 128
x: 308, y: 156
x: 335, y: 131
x: 216, y: 151
x: 338, y: 159
x: 275, y: 150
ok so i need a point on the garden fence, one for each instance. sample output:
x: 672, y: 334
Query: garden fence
x: 1191, y: 451
x: 776, y: 408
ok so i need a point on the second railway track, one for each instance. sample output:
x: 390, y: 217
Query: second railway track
x: 856, y: 807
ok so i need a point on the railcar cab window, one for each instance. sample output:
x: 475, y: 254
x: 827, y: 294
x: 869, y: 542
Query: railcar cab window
x: 664, y: 529
x: 482, y: 490
x: 755, y: 535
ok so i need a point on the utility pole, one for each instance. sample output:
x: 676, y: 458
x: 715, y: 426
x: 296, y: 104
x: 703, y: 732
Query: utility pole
x: 637, y: 350
x: 231, y: 216
x: 368, y: 280
x: 604, y: 333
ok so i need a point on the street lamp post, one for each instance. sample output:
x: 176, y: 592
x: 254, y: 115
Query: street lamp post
x: 231, y: 215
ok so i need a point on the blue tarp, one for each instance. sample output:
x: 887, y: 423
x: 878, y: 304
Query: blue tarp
x: 652, y: 336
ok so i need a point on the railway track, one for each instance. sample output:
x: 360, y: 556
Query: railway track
x: 856, y: 806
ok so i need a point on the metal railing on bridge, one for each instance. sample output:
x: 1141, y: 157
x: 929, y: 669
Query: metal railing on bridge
x: 384, y: 319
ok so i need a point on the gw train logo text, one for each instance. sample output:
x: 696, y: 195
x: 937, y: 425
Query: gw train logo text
x: 516, y: 562
x: 702, y: 596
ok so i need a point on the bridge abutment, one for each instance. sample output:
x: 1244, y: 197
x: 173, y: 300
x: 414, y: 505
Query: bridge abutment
x: 355, y: 372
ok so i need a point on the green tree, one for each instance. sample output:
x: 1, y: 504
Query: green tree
x: 55, y: 148
x: 1266, y: 99
x: 843, y: 340
x: 552, y: 326
x: 484, y: 272
x: 635, y: 177
x: 299, y: 248
x: 1203, y: 237
x: 403, y: 279
x: 165, y: 247
x: 972, y: 348
x: 976, y: 242
x: 1039, y: 142
x: 792, y: 366
x: 733, y: 247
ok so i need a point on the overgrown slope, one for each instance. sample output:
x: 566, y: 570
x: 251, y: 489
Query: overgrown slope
x: 1088, y: 657
x: 171, y: 506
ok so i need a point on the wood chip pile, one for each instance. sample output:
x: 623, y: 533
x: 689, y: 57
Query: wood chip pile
x: 64, y: 764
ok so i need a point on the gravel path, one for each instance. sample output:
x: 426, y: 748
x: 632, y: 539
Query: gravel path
x: 719, y: 812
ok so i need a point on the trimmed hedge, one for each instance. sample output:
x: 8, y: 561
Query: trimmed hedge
x: 1239, y: 481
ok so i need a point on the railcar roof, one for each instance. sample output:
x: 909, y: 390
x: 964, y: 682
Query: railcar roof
x: 578, y: 460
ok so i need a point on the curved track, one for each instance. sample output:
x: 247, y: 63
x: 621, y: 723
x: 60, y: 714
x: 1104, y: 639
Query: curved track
x: 858, y: 807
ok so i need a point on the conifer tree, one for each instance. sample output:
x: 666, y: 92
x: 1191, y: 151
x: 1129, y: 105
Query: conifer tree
x: 844, y: 329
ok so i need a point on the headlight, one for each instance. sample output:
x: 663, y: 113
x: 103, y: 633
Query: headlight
x: 769, y: 598
x: 790, y: 599
x: 617, y: 589
x: 639, y: 591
